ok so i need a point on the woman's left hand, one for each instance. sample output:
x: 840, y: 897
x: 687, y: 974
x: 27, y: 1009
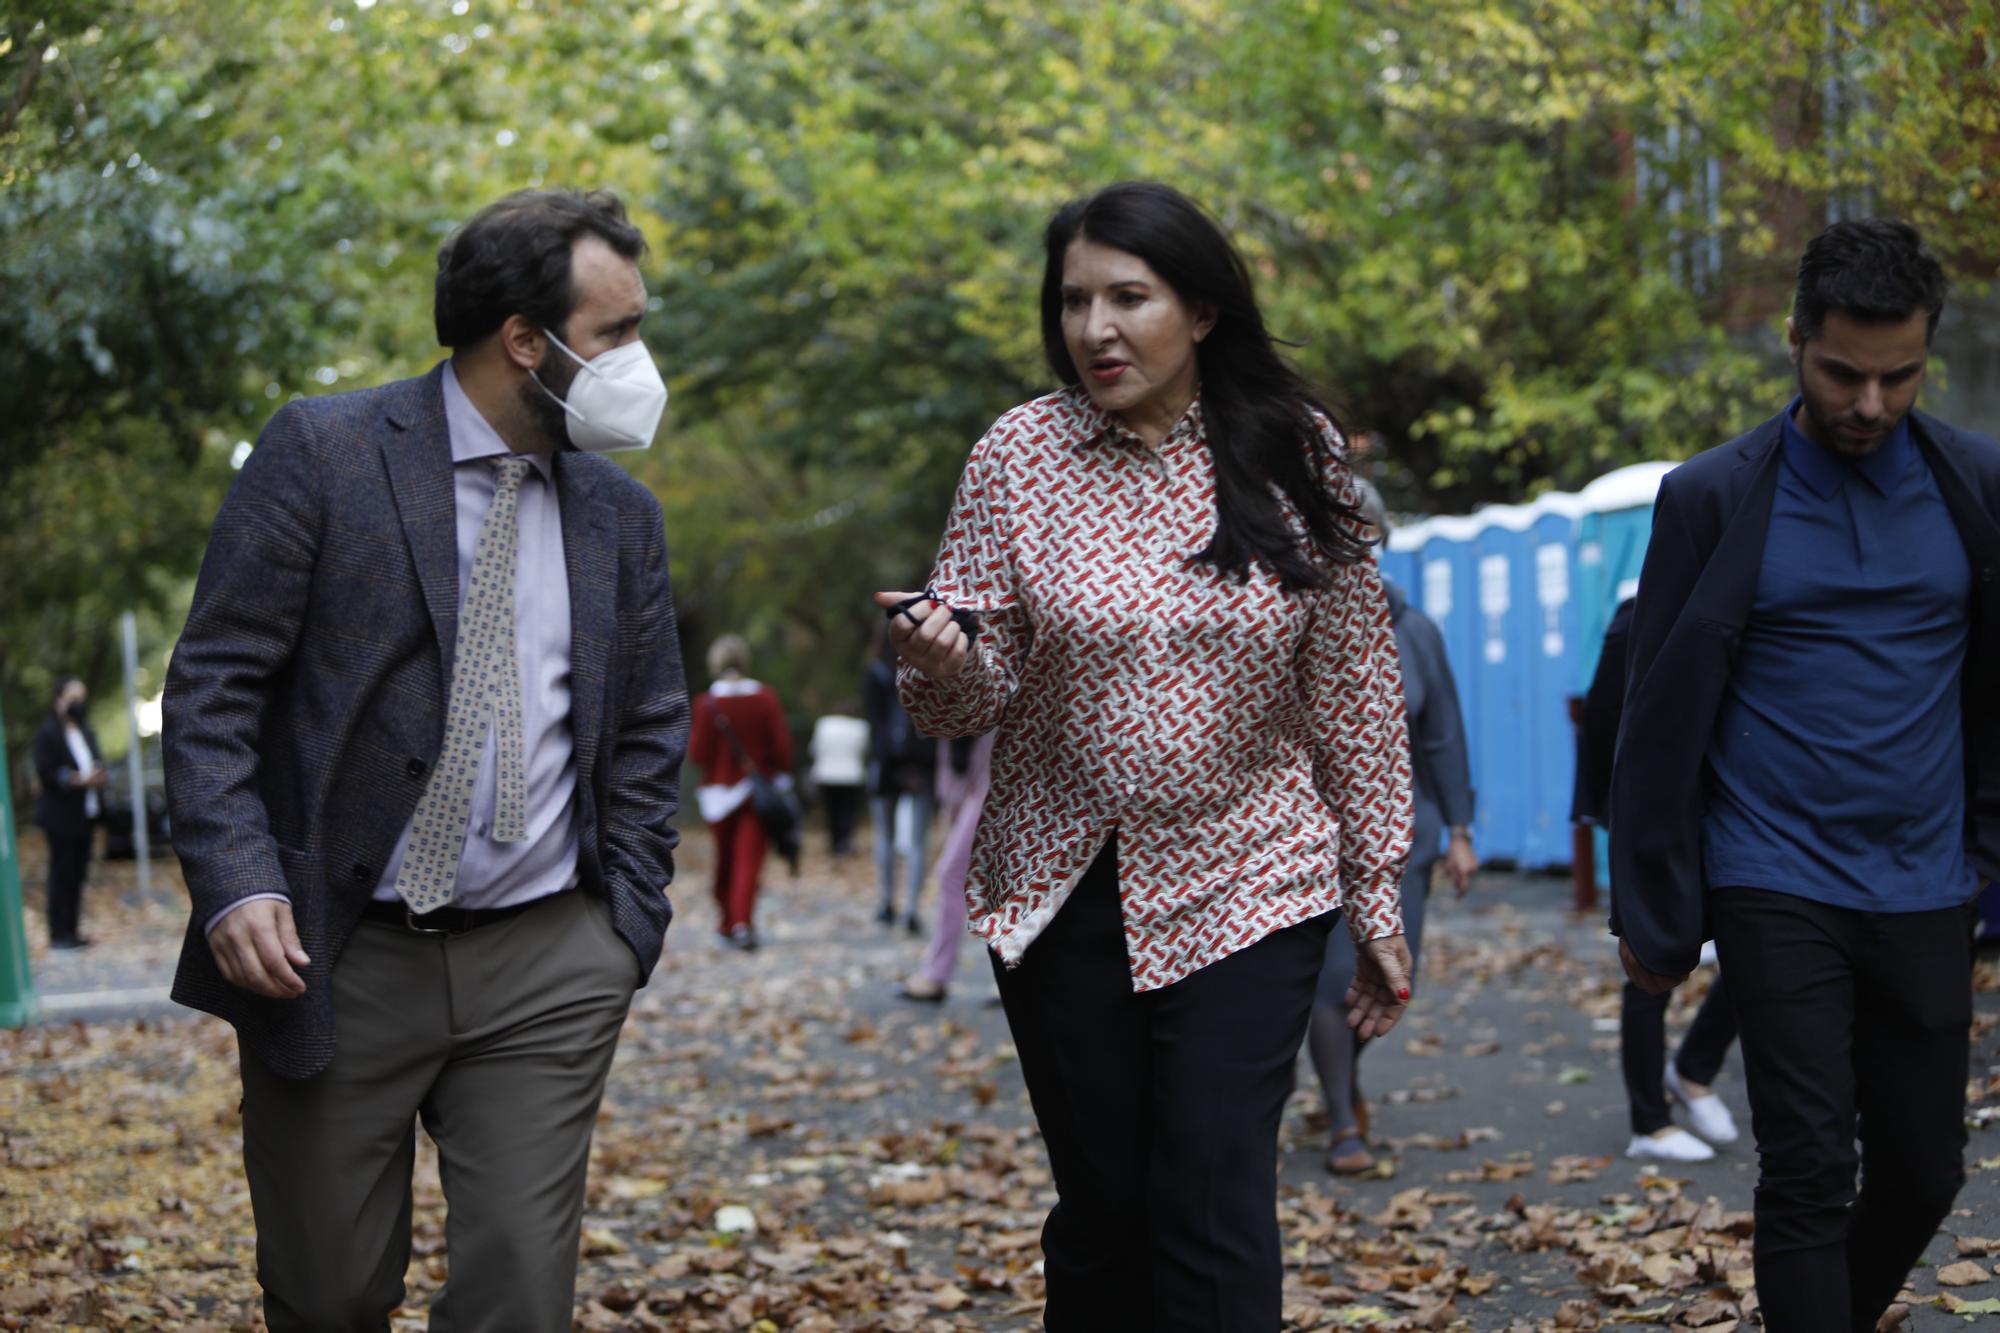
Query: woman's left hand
x: 1381, y: 987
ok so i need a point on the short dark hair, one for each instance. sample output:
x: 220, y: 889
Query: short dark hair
x: 512, y: 257
x: 1875, y: 270
x: 1263, y: 419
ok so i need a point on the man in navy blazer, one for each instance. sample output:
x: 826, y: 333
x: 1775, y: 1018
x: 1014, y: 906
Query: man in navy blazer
x: 1809, y: 772
x: 423, y: 736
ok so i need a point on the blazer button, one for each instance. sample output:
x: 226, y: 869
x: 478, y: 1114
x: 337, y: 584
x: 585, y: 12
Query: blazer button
x: 361, y: 873
x: 415, y: 768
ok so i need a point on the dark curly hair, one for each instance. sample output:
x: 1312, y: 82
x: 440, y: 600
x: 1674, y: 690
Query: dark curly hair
x: 1875, y: 270
x: 512, y: 257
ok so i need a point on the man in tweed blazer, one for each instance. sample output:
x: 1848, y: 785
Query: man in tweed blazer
x: 307, y: 740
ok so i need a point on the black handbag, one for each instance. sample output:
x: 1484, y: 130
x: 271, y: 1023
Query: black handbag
x: 776, y: 807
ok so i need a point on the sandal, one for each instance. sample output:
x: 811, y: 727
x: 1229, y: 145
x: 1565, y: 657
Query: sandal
x: 1355, y: 1161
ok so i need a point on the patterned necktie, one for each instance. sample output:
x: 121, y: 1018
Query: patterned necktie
x: 485, y: 691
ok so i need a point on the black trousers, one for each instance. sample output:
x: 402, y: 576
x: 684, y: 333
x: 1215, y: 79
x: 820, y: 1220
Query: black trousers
x: 843, y: 812
x: 69, y: 858
x: 1642, y: 1046
x: 1160, y: 1110
x: 1852, y: 1022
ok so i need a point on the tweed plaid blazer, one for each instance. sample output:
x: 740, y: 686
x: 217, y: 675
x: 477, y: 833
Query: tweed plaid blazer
x: 306, y: 698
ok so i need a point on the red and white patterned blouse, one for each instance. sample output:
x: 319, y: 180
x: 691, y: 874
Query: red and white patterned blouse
x: 1246, y: 744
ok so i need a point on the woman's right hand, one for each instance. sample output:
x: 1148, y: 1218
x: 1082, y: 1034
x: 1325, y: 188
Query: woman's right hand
x: 925, y: 635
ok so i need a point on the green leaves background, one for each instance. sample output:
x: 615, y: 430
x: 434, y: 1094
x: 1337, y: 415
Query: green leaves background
x: 1523, y: 242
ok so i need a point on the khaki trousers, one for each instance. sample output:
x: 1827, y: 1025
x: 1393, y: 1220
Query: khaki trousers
x: 499, y: 1040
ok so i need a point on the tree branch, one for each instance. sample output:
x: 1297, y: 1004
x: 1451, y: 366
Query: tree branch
x: 23, y: 89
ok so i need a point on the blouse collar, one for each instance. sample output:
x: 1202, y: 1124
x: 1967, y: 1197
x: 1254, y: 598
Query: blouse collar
x: 1093, y: 423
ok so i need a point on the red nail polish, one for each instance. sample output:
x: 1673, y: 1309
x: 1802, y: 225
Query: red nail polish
x: 1402, y: 992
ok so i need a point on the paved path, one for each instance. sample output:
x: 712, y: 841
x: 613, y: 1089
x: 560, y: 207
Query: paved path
x: 885, y: 1150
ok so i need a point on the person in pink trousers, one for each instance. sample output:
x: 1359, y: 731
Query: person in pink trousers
x: 961, y: 796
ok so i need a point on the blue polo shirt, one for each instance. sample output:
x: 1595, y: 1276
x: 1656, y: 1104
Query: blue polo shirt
x: 1837, y: 768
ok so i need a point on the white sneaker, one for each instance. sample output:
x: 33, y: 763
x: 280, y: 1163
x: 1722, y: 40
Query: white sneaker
x: 1676, y: 1145
x: 1711, y: 1118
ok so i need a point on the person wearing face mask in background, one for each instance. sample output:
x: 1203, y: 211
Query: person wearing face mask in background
x: 71, y: 773
x: 423, y: 738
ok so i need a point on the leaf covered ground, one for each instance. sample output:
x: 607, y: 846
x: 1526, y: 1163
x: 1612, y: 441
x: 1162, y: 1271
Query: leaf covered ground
x: 786, y: 1146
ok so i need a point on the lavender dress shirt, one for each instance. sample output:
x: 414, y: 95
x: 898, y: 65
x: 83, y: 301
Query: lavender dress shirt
x: 504, y: 874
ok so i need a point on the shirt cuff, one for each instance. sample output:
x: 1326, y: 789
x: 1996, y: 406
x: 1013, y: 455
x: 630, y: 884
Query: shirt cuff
x: 216, y: 920
x: 942, y: 707
x: 1378, y: 913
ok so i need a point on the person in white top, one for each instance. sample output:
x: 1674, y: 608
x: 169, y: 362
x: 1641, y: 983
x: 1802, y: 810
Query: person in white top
x: 839, y: 770
x: 71, y: 776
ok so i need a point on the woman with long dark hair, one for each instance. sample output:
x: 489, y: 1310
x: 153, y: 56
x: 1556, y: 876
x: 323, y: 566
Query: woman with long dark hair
x: 1154, y: 584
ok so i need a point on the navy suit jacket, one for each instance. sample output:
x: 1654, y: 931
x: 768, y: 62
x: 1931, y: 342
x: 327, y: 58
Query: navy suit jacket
x: 1695, y: 594
x: 305, y: 700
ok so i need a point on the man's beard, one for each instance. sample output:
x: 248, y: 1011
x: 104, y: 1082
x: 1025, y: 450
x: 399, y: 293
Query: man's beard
x: 545, y: 414
x: 1825, y: 430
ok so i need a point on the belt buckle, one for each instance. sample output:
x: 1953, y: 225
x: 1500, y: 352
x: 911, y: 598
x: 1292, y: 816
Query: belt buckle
x: 410, y: 920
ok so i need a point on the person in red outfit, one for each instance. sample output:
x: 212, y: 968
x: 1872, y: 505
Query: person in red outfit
x: 739, y: 727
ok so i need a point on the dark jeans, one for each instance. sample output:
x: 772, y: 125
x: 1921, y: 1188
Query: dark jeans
x: 1642, y: 1045
x: 843, y: 812
x: 1160, y: 1110
x: 1850, y: 1020
x: 69, y: 858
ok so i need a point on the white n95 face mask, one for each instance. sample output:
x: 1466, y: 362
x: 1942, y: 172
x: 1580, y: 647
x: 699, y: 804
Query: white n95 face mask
x: 615, y: 401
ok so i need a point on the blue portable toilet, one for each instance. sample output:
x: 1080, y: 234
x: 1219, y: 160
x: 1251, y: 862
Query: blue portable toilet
x: 1401, y: 569
x: 1521, y: 594
x: 1552, y: 653
x: 1525, y: 760
x: 1501, y: 731
x: 1612, y: 531
x: 1431, y: 562
x: 1616, y: 523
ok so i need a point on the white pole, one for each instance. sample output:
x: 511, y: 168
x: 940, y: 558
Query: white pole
x: 135, y: 764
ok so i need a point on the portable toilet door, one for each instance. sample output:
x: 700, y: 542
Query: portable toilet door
x: 1441, y: 581
x: 1402, y: 568
x: 1612, y: 532
x: 1502, y: 750
x: 1553, y: 538
x: 1443, y: 587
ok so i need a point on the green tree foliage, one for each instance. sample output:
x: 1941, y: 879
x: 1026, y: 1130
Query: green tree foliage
x: 146, y: 293
x: 1523, y: 241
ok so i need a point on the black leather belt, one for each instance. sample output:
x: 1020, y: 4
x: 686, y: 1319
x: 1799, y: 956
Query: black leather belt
x: 442, y: 920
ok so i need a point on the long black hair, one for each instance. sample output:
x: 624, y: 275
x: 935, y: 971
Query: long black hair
x: 1259, y: 412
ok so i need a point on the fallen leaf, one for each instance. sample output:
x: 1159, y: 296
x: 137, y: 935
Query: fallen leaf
x: 735, y: 1219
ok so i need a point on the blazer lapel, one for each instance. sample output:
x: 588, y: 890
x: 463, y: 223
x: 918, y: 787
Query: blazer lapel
x: 1941, y: 449
x: 1728, y: 584
x: 417, y: 453
x: 590, y: 556
x: 1945, y: 454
